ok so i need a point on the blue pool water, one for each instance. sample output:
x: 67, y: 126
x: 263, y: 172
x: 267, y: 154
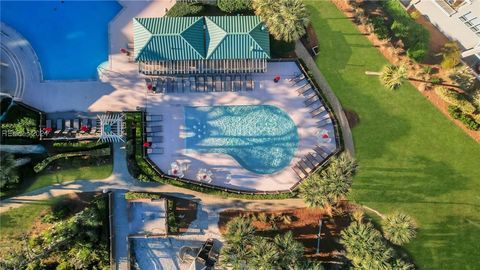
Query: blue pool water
x: 263, y: 139
x: 69, y: 38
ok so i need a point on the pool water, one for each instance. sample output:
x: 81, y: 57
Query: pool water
x: 263, y: 138
x: 70, y: 38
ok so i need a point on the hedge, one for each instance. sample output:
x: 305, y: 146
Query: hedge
x: 44, y: 163
x: 466, y: 119
x: 142, y: 195
x: 184, y: 9
x: 476, y: 117
x: 456, y: 99
x: 232, y: 6
x: 79, y: 145
x: 414, y: 36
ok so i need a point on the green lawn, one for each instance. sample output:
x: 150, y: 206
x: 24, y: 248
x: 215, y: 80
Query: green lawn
x: 80, y: 173
x: 411, y: 157
x: 18, y: 221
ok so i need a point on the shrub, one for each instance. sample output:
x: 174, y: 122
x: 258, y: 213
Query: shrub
x: 415, y: 15
x: 184, y: 9
x: 24, y: 127
x: 467, y: 120
x: 476, y: 98
x: 476, y: 117
x: 463, y: 77
x: 142, y: 195
x: 79, y: 145
x: 398, y: 228
x: 232, y: 6
x: 428, y: 70
x: 451, y: 55
x: 436, y: 80
x: 466, y: 106
x: 447, y: 95
x: 414, y: 36
x: 379, y: 27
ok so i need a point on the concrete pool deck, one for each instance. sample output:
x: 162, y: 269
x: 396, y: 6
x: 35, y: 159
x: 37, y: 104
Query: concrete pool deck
x: 266, y: 92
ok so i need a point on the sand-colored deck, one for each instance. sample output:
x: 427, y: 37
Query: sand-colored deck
x: 266, y: 92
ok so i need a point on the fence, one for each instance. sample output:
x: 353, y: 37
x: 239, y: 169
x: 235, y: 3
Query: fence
x: 111, y: 230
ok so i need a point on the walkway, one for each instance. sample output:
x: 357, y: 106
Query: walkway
x: 121, y: 180
x: 302, y: 52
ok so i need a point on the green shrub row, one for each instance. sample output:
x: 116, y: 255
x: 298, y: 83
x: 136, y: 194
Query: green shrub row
x: 233, y: 6
x: 181, y: 9
x: 414, y: 36
x: 456, y: 99
x: 79, y: 144
x: 466, y: 119
x: 44, y: 163
x: 379, y: 27
x: 131, y: 195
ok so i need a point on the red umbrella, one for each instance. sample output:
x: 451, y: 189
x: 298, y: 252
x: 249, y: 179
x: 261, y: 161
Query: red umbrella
x: 84, y: 128
x: 277, y: 77
x: 325, y: 135
x: 149, y: 86
x: 122, y: 50
x: 146, y: 144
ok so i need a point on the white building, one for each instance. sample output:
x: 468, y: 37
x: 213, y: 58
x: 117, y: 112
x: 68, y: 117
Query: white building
x: 459, y: 20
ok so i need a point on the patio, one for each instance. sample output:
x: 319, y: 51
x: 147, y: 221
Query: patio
x: 292, y: 93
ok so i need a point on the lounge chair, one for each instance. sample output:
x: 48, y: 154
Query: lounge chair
x: 68, y: 126
x: 302, y: 168
x: 311, y: 100
x: 209, y: 83
x: 318, y: 111
x: 154, y: 117
x: 320, y: 152
x: 94, y: 126
x: 48, y: 123
x: 59, y: 127
x: 200, y: 84
x: 76, y: 126
x: 308, y: 163
x: 162, y: 85
x: 228, y: 84
x: 155, y: 151
x: 309, y: 94
x: 175, y: 85
x: 315, y: 157
x: 154, y: 129
x: 156, y: 145
x: 154, y: 134
x: 237, y: 84
x: 296, y: 75
x: 304, y: 88
x: 180, y: 85
x: 218, y: 84
x: 193, y: 85
x: 169, y: 85
x: 324, y: 122
x: 249, y: 83
x: 155, y: 139
x: 299, y: 172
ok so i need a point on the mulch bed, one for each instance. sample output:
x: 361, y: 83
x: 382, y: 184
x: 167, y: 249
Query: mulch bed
x: 304, y: 226
x: 188, y: 210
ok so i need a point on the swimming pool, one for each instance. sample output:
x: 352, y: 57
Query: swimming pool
x: 263, y: 138
x: 70, y: 38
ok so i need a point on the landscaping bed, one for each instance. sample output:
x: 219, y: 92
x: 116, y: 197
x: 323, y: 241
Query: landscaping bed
x: 57, y: 233
x: 304, y: 225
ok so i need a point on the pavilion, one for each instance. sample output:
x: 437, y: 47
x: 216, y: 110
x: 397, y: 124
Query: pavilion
x: 209, y: 44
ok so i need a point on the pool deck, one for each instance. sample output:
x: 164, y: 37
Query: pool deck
x: 120, y: 88
x: 266, y: 92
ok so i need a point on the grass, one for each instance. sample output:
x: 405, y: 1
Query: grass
x: 411, y: 157
x: 19, y: 221
x: 71, y: 170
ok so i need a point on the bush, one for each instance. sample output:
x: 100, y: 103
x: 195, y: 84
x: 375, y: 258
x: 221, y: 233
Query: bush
x: 467, y: 120
x: 24, y: 127
x: 414, y: 36
x: 466, y: 106
x: 464, y: 78
x: 379, y: 27
x: 447, y: 95
x: 233, y: 6
x: 184, y: 9
x: 142, y: 195
x: 79, y: 145
x: 451, y: 55
x: 436, y: 80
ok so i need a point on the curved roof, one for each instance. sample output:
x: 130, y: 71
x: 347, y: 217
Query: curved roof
x: 196, y: 38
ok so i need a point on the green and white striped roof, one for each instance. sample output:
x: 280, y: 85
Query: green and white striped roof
x: 196, y: 38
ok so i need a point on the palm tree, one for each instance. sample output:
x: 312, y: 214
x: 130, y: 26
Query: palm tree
x: 240, y: 230
x: 392, y: 76
x: 290, y: 250
x: 402, y: 265
x: 331, y: 185
x: 399, y: 228
x: 8, y: 173
x: 286, y: 19
x: 365, y: 247
x: 265, y: 255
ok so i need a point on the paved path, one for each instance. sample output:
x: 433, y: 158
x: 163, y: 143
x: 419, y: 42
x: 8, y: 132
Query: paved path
x: 121, y: 181
x: 302, y: 52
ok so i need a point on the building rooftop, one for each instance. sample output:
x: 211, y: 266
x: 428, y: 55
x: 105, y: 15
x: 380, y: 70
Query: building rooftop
x: 200, y: 38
